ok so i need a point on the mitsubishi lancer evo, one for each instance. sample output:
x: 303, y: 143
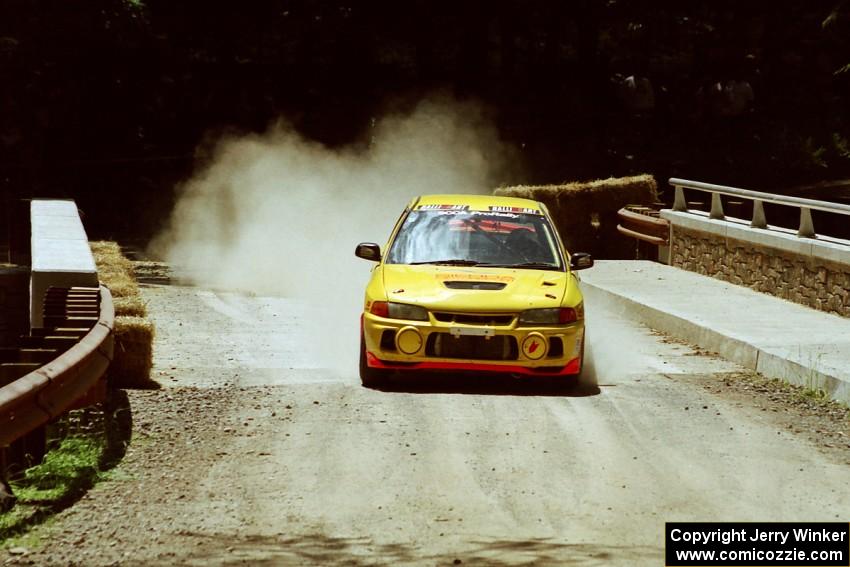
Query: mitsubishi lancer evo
x: 473, y: 283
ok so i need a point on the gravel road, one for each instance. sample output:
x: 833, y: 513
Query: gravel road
x: 252, y: 453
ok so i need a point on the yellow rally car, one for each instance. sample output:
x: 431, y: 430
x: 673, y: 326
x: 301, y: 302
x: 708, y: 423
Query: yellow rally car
x: 472, y: 283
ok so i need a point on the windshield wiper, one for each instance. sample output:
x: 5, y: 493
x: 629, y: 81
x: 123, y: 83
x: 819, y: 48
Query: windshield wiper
x: 450, y: 262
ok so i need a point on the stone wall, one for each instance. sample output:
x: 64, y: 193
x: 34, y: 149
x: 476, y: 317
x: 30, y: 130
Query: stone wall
x: 806, y: 279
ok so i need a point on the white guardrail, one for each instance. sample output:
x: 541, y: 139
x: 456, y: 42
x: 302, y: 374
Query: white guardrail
x: 61, y: 256
x: 806, y: 228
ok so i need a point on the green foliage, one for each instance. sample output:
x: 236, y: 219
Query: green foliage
x: 812, y: 155
x: 64, y: 473
x: 832, y: 18
x: 141, y: 82
x: 81, y: 450
x: 815, y: 395
x: 840, y: 145
x: 837, y: 23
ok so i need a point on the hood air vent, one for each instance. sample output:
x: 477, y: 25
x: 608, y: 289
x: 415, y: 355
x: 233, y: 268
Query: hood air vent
x: 475, y: 285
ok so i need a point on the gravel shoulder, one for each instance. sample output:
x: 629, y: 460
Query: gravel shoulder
x: 252, y: 453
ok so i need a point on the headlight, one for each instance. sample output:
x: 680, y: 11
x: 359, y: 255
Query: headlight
x: 400, y: 311
x: 552, y: 316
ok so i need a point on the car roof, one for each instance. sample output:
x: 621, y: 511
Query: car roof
x: 476, y: 202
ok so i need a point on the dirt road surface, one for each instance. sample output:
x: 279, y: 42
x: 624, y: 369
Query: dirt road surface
x: 252, y: 453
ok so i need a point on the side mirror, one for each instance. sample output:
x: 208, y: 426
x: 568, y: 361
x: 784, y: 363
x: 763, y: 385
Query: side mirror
x: 368, y: 251
x: 581, y: 261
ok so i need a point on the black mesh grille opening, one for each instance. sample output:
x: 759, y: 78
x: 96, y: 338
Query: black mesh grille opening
x: 444, y: 345
x: 388, y: 340
x: 556, y: 348
x: 474, y: 319
x: 493, y: 286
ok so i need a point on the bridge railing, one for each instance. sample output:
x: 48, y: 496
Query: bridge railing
x: 61, y: 363
x: 806, y: 228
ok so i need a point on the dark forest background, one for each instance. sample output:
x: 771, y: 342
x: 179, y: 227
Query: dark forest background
x: 106, y: 100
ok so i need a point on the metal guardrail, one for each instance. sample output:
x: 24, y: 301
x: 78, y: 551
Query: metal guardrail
x: 49, y: 391
x: 806, y: 227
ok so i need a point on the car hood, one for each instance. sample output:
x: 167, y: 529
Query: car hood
x: 476, y: 289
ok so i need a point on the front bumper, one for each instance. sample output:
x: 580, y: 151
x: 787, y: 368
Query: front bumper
x: 451, y: 346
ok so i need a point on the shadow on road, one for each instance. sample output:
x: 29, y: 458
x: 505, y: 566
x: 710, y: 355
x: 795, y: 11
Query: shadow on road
x: 485, y: 384
x: 118, y: 415
x: 320, y: 549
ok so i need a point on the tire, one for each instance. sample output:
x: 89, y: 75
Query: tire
x: 370, y: 377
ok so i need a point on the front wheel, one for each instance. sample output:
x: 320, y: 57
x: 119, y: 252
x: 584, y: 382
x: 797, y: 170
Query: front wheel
x: 370, y: 377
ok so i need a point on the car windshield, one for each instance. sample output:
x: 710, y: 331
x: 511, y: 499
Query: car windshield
x: 476, y: 238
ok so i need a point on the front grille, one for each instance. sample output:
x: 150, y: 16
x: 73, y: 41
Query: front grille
x: 444, y: 345
x: 466, y: 319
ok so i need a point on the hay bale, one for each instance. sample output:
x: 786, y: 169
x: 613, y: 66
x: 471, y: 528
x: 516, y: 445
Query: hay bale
x: 108, y: 254
x: 132, y: 306
x: 134, y: 333
x: 585, y: 213
x: 121, y: 286
x: 113, y: 269
x: 133, y: 355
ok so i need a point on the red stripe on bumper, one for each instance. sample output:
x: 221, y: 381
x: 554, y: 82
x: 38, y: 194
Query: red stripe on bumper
x: 571, y: 368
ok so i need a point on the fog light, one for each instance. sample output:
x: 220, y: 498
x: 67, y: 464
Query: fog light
x: 408, y: 340
x: 534, y: 346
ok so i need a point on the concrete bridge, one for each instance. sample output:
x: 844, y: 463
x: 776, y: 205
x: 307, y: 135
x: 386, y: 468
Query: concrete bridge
x: 262, y: 450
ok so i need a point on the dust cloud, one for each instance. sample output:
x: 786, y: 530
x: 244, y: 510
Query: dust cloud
x: 615, y: 344
x: 276, y: 214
